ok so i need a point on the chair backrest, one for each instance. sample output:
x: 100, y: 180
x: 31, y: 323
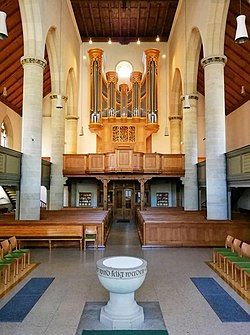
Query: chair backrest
x: 245, y: 249
x: 90, y: 230
x: 229, y: 241
x: 6, y: 246
x: 13, y: 242
x: 236, y: 246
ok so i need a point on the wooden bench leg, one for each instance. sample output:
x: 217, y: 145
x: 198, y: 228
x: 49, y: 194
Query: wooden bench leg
x: 50, y: 245
x: 80, y: 242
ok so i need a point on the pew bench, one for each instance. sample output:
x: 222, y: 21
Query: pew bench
x: 43, y: 232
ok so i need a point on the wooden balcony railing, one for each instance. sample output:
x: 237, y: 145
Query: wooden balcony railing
x: 123, y: 160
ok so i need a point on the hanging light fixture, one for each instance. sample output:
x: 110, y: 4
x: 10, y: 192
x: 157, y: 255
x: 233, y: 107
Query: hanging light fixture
x: 109, y: 41
x: 166, y: 133
x: 138, y: 41
x: 5, y: 93
x: 157, y: 38
x: 3, y: 27
x: 186, y: 103
x: 90, y: 41
x: 241, y: 35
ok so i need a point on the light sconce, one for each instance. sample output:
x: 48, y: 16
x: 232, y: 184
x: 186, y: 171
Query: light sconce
x: 109, y: 41
x: 186, y: 103
x: 59, y: 104
x: 138, y: 41
x: 3, y: 27
x: 243, y: 90
x: 90, y: 41
x: 81, y: 131
x: 157, y: 38
x: 241, y: 35
x: 5, y: 93
x: 166, y: 133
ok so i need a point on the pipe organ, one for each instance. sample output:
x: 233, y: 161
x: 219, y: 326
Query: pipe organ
x: 124, y: 116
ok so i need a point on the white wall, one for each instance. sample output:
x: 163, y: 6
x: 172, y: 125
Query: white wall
x: 238, y: 127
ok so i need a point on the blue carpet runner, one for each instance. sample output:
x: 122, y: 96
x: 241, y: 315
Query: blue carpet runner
x: 227, y: 309
x: 124, y: 332
x: 19, y: 306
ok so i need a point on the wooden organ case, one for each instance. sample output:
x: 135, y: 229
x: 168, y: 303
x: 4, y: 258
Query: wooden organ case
x: 124, y: 117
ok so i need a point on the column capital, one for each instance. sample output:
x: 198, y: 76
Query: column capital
x: 71, y: 117
x: 213, y: 59
x: 54, y: 96
x: 190, y: 97
x: 175, y: 117
x: 25, y: 60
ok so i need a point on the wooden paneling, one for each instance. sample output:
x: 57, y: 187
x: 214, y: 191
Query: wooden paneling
x: 175, y: 227
x: 152, y: 163
x: 123, y: 160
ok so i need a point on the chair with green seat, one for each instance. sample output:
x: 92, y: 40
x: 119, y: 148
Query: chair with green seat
x: 8, y: 255
x: 4, y: 270
x: 241, y: 265
x: 246, y: 274
x: 9, y: 263
x: 234, y: 251
x: 228, y: 246
x: 16, y: 251
x: 233, y: 259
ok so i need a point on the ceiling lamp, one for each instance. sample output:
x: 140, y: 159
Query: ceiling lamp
x: 109, y: 41
x: 5, y: 92
x: 138, y: 41
x: 3, y: 27
x: 90, y: 41
x: 241, y: 35
x: 157, y: 38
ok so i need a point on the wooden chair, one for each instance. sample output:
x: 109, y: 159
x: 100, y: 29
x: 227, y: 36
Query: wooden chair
x: 228, y: 247
x: 243, y: 264
x: 90, y: 235
x: 4, y: 271
x: 232, y: 259
x: 8, y: 255
x: 16, y: 251
x: 8, y: 263
x: 235, y: 251
x: 246, y: 275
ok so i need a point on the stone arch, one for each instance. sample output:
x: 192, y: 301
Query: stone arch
x: 32, y: 28
x: 71, y: 114
x: 193, y: 54
x: 52, y: 45
x: 175, y: 118
x: 213, y: 43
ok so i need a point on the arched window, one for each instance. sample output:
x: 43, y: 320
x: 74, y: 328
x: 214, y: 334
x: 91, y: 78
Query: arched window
x: 4, y: 135
x: 124, y: 70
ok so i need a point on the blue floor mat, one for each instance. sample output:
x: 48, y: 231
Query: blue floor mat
x: 19, y: 306
x: 227, y: 309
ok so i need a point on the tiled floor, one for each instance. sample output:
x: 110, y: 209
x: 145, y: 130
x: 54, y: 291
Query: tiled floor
x: 168, y: 282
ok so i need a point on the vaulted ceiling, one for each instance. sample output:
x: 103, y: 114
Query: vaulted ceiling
x: 124, y: 22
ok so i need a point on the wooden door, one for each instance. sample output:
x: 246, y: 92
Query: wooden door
x: 124, y: 203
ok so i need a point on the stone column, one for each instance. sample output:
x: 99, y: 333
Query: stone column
x: 191, y: 154
x: 216, y: 185
x: 71, y: 142
x: 175, y: 132
x: 57, y: 150
x: 29, y: 202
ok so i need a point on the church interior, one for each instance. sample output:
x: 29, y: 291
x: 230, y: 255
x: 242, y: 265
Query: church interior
x: 125, y: 133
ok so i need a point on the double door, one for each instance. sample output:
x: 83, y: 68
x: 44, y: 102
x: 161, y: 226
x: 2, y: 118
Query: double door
x: 124, y: 203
